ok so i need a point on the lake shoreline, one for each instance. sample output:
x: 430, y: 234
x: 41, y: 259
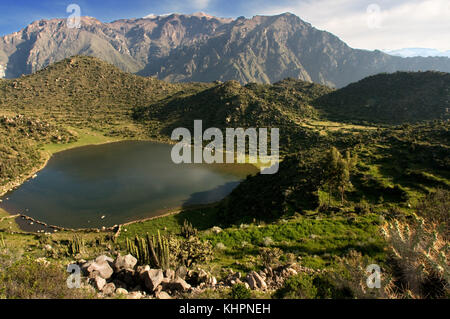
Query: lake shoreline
x: 48, y: 150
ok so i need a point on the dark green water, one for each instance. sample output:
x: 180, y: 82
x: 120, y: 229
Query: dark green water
x: 121, y: 181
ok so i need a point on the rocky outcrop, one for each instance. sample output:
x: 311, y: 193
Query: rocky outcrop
x: 123, y: 277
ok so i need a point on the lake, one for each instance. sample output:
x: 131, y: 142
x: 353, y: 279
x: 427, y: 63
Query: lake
x: 104, y: 185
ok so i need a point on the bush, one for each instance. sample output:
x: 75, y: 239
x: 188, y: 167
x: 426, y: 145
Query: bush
x: 240, y: 291
x: 297, y: 287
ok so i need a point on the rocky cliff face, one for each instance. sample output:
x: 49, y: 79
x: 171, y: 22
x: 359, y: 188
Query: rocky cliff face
x: 199, y: 47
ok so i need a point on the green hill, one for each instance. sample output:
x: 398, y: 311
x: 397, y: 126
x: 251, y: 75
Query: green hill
x: 391, y: 98
x: 83, y: 91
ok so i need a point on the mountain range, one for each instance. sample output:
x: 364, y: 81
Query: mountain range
x: 414, y: 52
x: 203, y: 48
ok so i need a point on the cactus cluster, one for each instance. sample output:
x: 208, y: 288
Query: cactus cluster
x: 76, y: 245
x: 2, y: 241
x: 421, y: 255
x: 150, y: 250
x: 187, y: 230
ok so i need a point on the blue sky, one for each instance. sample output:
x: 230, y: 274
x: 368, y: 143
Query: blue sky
x: 367, y: 24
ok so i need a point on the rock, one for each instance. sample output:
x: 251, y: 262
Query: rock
x: 177, y: 284
x: 291, y: 272
x: 216, y: 230
x: 169, y: 273
x: 102, y: 269
x: 212, y: 281
x: 134, y: 295
x: 121, y: 291
x: 181, y: 272
x: 99, y: 282
x: 109, y: 289
x: 103, y: 258
x: 162, y: 295
x: 127, y: 262
x: 202, y: 275
x: 255, y: 281
x: 152, y: 278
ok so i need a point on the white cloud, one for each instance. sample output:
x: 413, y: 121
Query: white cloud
x: 394, y: 25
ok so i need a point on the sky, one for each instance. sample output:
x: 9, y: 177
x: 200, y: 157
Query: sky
x: 365, y: 24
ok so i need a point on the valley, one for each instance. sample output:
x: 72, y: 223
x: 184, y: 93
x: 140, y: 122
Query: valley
x: 350, y: 182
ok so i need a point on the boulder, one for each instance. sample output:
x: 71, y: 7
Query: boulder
x: 121, y: 291
x: 152, y: 278
x: 98, y: 282
x: 127, y: 262
x: 102, y: 269
x: 255, y: 281
x: 181, y: 272
x: 103, y: 258
x: 169, y: 273
x: 176, y: 284
x: 109, y: 289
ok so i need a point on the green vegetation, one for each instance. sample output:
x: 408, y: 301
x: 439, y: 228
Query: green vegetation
x: 345, y: 195
x: 150, y: 250
x: 239, y: 291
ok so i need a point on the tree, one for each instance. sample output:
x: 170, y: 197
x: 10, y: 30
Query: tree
x: 337, y: 172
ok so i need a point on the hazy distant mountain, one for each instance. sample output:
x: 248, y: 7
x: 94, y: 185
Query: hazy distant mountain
x: 414, y: 52
x: 199, y: 47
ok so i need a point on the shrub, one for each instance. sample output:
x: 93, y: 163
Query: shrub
x: 240, y: 291
x: 270, y: 256
x: 297, y: 287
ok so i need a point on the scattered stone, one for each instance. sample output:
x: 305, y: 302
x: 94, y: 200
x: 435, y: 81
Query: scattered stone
x: 216, y: 230
x: 109, y: 289
x: 121, y: 291
x: 134, y: 295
